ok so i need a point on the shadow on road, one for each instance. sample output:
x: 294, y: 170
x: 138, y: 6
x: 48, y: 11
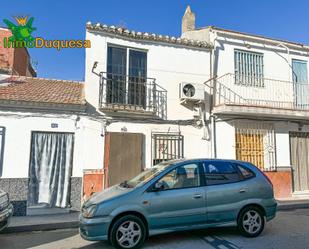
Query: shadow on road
x: 198, y: 239
x: 11, y: 241
x: 96, y: 245
x: 207, y: 238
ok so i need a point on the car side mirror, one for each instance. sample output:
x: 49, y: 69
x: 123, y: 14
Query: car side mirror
x: 158, y: 186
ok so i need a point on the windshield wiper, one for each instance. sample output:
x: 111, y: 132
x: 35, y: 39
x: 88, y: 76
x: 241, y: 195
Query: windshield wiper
x: 125, y: 185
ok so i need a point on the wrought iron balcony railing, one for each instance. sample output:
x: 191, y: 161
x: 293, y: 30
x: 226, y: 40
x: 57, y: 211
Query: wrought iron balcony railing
x: 138, y: 95
x: 260, y: 92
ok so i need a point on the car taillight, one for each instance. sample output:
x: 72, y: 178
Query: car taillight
x: 267, y: 178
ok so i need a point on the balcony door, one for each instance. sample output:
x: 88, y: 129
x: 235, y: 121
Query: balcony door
x: 126, y: 76
x: 137, y: 78
x: 301, y: 86
x: 116, y: 75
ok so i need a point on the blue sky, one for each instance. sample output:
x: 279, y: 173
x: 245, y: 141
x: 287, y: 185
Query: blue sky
x: 66, y: 19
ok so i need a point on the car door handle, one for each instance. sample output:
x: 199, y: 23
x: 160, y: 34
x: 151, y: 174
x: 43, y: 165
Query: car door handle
x: 197, y: 196
x: 242, y: 190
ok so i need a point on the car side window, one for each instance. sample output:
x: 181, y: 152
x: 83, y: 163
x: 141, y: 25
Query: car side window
x: 245, y: 172
x: 217, y: 172
x: 186, y: 176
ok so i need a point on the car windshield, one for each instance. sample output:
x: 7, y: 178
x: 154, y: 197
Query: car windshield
x: 145, y: 176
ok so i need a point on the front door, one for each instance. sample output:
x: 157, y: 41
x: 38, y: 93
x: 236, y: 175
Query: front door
x: 182, y: 201
x: 301, y: 86
x: 300, y: 160
x: 50, y: 169
x: 123, y: 156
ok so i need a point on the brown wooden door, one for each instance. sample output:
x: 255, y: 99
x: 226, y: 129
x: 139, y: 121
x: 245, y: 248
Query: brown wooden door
x: 300, y: 160
x: 123, y: 157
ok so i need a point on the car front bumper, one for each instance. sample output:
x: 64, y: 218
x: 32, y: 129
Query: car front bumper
x: 95, y: 228
x: 5, y: 216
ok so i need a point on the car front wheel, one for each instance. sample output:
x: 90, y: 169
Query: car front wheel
x: 128, y: 232
x: 251, y: 222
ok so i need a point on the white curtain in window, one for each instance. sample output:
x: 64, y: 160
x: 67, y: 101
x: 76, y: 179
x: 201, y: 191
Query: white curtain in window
x: 50, y: 169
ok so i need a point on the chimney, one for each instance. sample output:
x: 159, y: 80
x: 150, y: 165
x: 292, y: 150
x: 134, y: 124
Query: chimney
x: 188, y: 20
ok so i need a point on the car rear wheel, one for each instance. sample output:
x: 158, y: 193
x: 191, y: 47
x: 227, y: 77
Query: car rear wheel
x: 251, y: 221
x: 128, y: 232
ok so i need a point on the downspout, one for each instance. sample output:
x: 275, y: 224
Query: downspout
x: 213, y: 92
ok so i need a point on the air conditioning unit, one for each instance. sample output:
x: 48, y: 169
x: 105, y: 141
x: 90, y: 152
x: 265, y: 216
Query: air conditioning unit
x: 191, y: 91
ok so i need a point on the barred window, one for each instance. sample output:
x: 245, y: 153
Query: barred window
x: 255, y: 143
x: 166, y: 146
x: 249, y: 68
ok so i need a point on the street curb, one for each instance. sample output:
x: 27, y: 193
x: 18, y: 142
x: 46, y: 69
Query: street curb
x: 41, y: 227
x: 282, y: 206
x: 291, y: 206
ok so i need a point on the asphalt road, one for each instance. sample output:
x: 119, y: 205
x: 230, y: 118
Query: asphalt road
x: 290, y: 229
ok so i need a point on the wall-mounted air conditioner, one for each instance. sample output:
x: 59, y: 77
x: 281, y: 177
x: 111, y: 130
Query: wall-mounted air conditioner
x: 191, y: 91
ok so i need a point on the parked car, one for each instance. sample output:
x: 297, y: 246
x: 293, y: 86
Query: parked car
x: 180, y: 195
x: 6, y: 210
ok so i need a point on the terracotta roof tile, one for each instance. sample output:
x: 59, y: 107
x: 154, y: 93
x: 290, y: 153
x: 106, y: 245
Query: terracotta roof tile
x: 42, y: 90
x: 147, y: 36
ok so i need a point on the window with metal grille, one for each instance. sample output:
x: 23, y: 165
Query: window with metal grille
x: 166, y: 146
x: 2, y: 135
x: 255, y: 143
x: 249, y: 68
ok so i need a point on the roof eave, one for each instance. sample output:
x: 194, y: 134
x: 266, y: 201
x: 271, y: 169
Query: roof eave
x: 259, y: 37
x: 144, y: 36
x: 60, y: 107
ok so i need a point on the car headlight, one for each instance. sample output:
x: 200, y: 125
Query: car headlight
x: 89, y: 211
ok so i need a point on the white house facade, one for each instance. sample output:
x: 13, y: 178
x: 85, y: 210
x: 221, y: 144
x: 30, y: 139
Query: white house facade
x: 133, y: 80
x: 147, y: 98
x: 260, y: 103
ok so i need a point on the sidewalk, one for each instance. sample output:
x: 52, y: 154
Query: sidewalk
x: 292, y: 203
x: 42, y: 222
x: 70, y: 220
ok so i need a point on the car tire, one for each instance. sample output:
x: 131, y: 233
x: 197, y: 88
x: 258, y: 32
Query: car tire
x: 251, y: 221
x: 128, y: 232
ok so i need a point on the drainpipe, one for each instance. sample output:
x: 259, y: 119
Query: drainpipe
x: 206, y: 135
x: 212, y: 117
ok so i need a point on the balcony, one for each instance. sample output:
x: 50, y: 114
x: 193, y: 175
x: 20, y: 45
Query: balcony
x: 131, y: 95
x: 236, y: 94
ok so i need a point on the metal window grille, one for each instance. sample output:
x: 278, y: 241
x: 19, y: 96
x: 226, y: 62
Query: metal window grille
x: 249, y: 68
x: 255, y: 143
x: 166, y: 146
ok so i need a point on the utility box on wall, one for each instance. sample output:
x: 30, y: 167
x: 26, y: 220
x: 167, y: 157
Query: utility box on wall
x: 93, y: 181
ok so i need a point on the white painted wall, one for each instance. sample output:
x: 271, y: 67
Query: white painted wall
x: 18, y: 128
x: 277, y: 65
x: 225, y: 140
x: 169, y: 64
x: 226, y: 147
x: 194, y: 144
